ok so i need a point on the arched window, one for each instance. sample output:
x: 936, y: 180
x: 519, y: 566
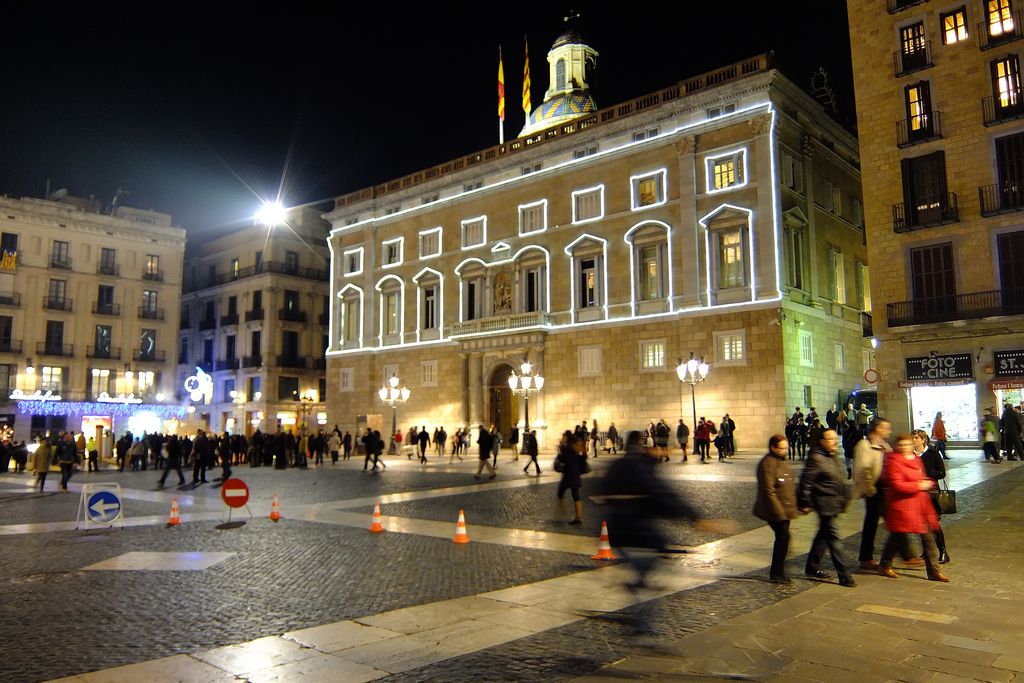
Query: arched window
x: 531, y: 281
x: 350, y: 315
x: 728, y: 244
x: 560, y: 74
x: 472, y: 296
x: 589, y: 278
x: 391, y: 314
x: 429, y: 311
x: 652, y: 265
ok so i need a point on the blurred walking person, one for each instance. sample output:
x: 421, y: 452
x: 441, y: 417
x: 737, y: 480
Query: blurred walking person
x: 823, y: 489
x: 571, y: 461
x: 41, y: 461
x: 530, y: 449
x: 776, y: 502
x: 485, y: 442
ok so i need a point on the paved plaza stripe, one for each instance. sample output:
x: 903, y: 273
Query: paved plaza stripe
x: 413, y: 637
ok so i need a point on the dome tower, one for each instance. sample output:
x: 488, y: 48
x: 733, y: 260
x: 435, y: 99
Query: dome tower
x: 568, y: 97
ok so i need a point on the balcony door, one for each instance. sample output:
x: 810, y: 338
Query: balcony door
x: 933, y: 281
x: 1011, y: 271
x: 924, y: 189
x: 290, y: 344
x: 1010, y: 166
x: 54, y: 337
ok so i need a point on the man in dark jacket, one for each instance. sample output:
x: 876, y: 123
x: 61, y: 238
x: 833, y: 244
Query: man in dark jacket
x: 530, y: 449
x: 1011, y: 428
x: 202, y: 455
x: 423, y: 439
x: 823, y: 489
x: 173, y: 461
x: 485, y: 441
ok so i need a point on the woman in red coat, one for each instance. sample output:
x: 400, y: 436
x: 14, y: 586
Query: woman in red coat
x: 908, y: 508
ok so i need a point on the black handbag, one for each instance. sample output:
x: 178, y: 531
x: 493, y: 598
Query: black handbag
x: 947, y: 498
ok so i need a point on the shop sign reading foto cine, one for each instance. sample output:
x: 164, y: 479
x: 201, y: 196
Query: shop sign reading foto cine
x: 936, y: 367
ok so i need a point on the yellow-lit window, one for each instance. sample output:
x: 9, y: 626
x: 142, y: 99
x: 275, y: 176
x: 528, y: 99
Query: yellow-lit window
x: 391, y: 313
x: 730, y: 263
x: 954, y: 26
x: 724, y: 173
x: 647, y: 191
x: 1000, y: 17
x: 912, y: 39
x: 50, y: 379
x: 1007, y: 73
x: 650, y: 278
x: 917, y: 107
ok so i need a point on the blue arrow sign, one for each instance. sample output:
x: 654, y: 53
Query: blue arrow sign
x: 103, y: 507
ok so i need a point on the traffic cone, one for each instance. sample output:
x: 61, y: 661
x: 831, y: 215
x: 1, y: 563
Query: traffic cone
x: 174, y: 519
x: 604, y: 549
x: 376, y: 527
x: 275, y: 511
x: 460, y: 529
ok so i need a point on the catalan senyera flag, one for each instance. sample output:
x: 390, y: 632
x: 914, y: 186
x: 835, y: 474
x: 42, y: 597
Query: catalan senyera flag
x: 501, y: 87
x: 526, y: 80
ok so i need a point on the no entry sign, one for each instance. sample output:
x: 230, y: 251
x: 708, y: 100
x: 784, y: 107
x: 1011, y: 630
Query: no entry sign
x: 234, y: 493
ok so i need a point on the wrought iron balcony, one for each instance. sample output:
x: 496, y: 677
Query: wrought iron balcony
x: 207, y: 324
x: 997, y: 302
x: 292, y: 315
x: 108, y: 353
x: 108, y: 269
x: 100, y: 308
x: 10, y: 346
x: 155, y: 356
x: 60, y: 262
x: 153, y: 275
x: 256, y: 314
x: 205, y: 365
x: 55, y: 349
x: 1007, y: 34
x: 928, y: 213
x: 252, y: 361
x: 53, y: 303
x: 894, y: 6
x: 1004, y: 108
x: 294, y: 362
x: 225, y: 364
x: 147, y: 313
x: 12, y: 299
x: 277, y: 267
x: 229, y: 319
x: 918, y: 129
x: 915, y: 60
x: 996, y: 199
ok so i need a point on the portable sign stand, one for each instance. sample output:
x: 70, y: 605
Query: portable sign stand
x: 100, y: 504
x: 235, y: 494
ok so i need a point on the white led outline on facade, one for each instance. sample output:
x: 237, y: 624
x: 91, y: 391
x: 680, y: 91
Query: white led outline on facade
x: 709, y: 185
x: 440, y: 249
x: 440, y: 301
x: 344, y: 261
x: 587, y: 190
x: 511, y: 259
x: 359, y: 318
x: 604, y: 272
x: 401, y: 251
x: 401, y: 309
x: 641, y: 176
x: 483, y: 231
x: 544, y: 224
x: 750, y: 240
x: 632, y: 258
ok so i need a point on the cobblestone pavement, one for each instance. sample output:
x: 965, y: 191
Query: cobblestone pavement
x: 295, y: 575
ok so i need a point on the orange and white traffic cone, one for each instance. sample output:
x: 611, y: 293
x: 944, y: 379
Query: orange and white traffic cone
x: 175, y: 518
x: 604, y: 548
x: 376, y: 527
x: 460, y: 529
x: 275, y: 511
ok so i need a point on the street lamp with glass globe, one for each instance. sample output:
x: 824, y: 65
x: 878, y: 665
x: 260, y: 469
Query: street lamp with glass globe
x: 522, y: 385
x: 393, y: 395
x: 691, y: 372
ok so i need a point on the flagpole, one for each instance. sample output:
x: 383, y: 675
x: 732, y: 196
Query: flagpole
x: 501, y: 100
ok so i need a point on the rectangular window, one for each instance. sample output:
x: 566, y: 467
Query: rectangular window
x: 291, y: 261
x: 1006, y: 85
x: 1010, y: 246
x: 645, y: 134
x: 840, y: 357
x: 863, y: 287
x: 837, y: 275
x: 527, y: 170
x: 533, y: 289
x: 147, y: 345
x: 350, y: 319
x: 913, y: 47
x: 233, y: 269
x: 730, y: 347
x: 650, y: 272
x: 256, y: 388
x: 60, y: 256
x: 806, y: 348
x: 648, y: 190
x: 795, y: 266
x: 954, y: 26
x: 149, y: 302
x: 588, y: 205
x: 589, y: 297
x: 474, y: 298
x: 390, y: 312
x: 101, y: 383
x: 474, y: 232
x: 287, y: 388
x: 917, y: 101
x: 837, y: 200
x: 933, y: 280
x: 428, y: 373
x: 353, y: 261
x: 390, y: 370
x: 652, y: 355
x: 392, y: 251
x: 51, y: 379
x: 858, y: 214
x: 924, y: 189
x: 346, y: 381
x: 584, y: 152
x: 429, y: 321
x: 726, y: 171
x: 108, y: 261
x: 57, y: 293
x: 999, y: 17
x: 54, y: 336
x: 827, y: 196
x: 731, y: 269
x: 533, y: 217
x: 102, y: 339
x: 152, y: 266
x: 469, y: 187
x: 105, y: 299
x: 590, y: 361
x: 430, y: 243
x: 9, y: 242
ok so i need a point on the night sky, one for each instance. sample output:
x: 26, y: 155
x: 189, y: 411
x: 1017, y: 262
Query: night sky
x: 197, y: 111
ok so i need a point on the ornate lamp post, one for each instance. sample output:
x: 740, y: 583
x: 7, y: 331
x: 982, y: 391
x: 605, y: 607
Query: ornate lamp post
x: 522, y: 385
x: 304, y: 403
x: 393, y: 395
x: 691, y: 372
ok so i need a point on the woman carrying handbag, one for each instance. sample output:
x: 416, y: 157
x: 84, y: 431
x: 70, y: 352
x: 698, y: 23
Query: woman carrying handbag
x: 935, y: 470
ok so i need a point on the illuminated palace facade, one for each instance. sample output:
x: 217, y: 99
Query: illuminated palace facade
x: 719, y: 216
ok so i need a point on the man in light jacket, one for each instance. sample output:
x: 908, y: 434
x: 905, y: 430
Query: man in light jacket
x: 868, y: 458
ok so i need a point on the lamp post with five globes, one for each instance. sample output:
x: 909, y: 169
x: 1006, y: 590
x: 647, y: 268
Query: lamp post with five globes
x: 691, y: 372
x: 392, y: 395
x: 522, y: 385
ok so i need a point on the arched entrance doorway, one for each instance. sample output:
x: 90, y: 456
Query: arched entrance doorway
x: 502, y: 406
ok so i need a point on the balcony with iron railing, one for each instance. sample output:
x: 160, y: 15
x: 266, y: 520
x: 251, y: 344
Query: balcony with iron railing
x: 55, y: 349
x: 205, y: 365
x: 12, y: 299
x: 996, y: 199
x: 229, y: 319
x: 252, y: 361
x: 60, y: 262
x: 940, y: 309
x: 52, y: 303
x: 292, y: 315
x: 928, y: 213
x: 153, y: 275
x: 254, y: 315
x: 918, y: 129
x: 894, y: 6
x: 1008, y: 31
x: 294, y: 362
x: 225, y: 364
x: 108, y: 268
x: 207, y: 324
x: 154, y: 356
x: 908, y: 61
x: 500, y: 323
x: 275, y: 267
x: 103, y: 308
x: 1007, y: 107
x: 107, y: 353
x: 148, y: 313
x: 10, y: 346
